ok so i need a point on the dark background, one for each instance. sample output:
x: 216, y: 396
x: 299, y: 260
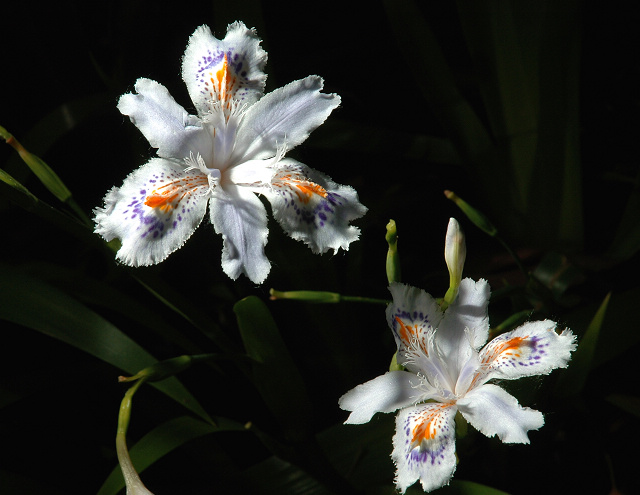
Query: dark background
x: 63, y: 67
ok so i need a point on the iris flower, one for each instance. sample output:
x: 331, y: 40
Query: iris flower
x: 233, y: 149
x: 448, y: 369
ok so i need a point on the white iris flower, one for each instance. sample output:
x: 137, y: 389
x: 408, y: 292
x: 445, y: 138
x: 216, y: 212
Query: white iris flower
x: 448, y: 369
x: 233, y: 149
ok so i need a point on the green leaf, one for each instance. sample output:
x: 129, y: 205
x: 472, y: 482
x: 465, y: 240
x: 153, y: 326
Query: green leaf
x: 554, y: 201
x: 182, y: 305
x: 34, y: 304
x: 274, y: 371
x: 98, y: 294
x: 572, y: 380
x: 509, y: 95
x: 8, y: 179
x: 162, y: 440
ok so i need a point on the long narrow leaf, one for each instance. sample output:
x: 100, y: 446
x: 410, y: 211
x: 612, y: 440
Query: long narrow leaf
x: 510, y: 97
x: 34, y: 304
x: 574, y: 377
x: 274, y: 372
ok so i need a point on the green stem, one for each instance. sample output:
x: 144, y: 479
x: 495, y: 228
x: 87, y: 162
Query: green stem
x: 131, y: 477
x: 322, y: 297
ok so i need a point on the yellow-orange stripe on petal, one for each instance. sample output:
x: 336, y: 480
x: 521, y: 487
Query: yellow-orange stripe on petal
x: 168, y: 196
x: 428, y: 424
x: 302, y: 188
x: 506, y: 350
x: 411, y: 336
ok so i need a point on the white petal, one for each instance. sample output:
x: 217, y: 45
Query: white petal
x: 386, y: 393
x: 166, y: 125
x: 312, y: 208
x: 424, y: 446
x: 493, y: 411
x: 466, y: 319
x: 154, y: 212
x: 285, y: 116
x: 531, y: 349
x: 224, y: 71
x: 412, y: 316
x: 241, y: 218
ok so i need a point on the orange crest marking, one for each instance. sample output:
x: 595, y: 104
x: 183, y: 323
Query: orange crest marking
x: 164, y: 202
x: 173, y: 193
x: 303, y: 189
x: 406, y: 332
x: 224, y: 83
x: 429, y: 427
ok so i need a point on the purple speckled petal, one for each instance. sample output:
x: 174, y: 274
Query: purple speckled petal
x: 412, y: 317
x: 531, y: 349
x: 424, y: 446
x: 154, y: 212
x: 224, y: 71
x: 312, y: 208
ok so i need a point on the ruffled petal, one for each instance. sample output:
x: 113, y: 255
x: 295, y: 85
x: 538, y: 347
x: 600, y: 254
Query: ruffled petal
x: 531, y: 349
x: 241, y: 218
x: 224, y: 72
x: 154, y: 212
x: 386, y: 393
x: 424, y: 446
x: 286, y: 116
x: 493, y: 411
x: 412, y: 316
x: 166, y: 125
x: 465, y: 323
x: 312, y: 208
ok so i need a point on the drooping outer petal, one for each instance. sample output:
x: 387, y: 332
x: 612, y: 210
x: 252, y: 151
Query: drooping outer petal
x: 286, y: 116
x: 240, y: 217
x: 411, y: 315
x: 493, y: 411
x: 224, y: 71
x: 424, y: 446
x: 154, y: 212
x: 386, y: 393
x: 166, y: 125
x: 531, y: 349
x: 312, y: 208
